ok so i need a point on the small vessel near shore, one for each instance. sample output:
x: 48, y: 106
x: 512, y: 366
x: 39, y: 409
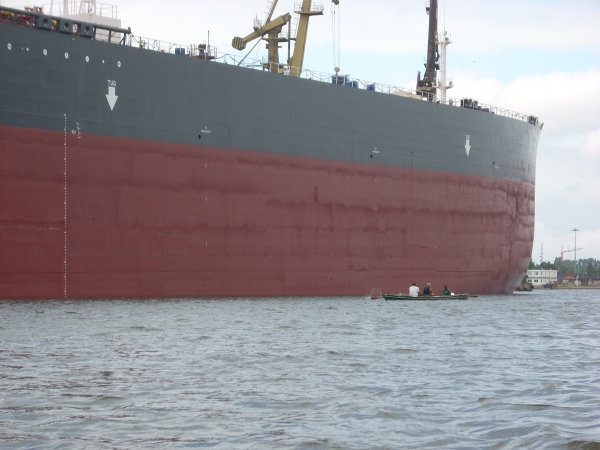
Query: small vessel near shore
x: 425, y: 297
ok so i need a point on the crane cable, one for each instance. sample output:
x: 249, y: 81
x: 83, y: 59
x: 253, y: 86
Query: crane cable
x: 335, y: 33
x: 248, y: 54
x: 339, y: 36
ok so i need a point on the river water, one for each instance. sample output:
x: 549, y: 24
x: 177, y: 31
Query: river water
x: 520, y: 371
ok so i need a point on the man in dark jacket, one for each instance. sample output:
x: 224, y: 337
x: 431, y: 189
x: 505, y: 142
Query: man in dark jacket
x: 427, y: 290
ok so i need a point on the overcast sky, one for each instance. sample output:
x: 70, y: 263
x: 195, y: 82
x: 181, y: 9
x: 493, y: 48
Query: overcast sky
x: 537, y: 57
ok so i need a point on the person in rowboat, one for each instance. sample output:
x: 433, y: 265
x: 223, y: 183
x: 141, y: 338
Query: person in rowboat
x: 446, y: 291
x: 413, y: 291
x: 427, y: 290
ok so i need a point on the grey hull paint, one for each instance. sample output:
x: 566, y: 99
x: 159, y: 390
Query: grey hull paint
x: 171, y: 98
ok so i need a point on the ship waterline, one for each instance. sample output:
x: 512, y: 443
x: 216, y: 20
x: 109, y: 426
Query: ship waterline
x: 130, y: 173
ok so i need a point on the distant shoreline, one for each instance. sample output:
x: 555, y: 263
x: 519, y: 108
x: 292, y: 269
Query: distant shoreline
x: 573, y: 287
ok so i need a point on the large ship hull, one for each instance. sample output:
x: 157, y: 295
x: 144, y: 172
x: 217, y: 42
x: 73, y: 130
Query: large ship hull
x: 208, y: 180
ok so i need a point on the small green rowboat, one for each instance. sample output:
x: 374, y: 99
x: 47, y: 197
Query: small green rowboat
x: 426, y: 297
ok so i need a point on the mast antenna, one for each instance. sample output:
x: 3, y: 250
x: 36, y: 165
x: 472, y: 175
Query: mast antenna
x: 443, y: 84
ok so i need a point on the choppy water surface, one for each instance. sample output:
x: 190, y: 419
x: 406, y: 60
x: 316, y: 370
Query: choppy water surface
x: 508, y: 372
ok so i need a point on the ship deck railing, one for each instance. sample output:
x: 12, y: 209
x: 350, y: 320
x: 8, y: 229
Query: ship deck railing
x: 207, y: 52
x: 73, y: 7
x: 356, y: 83
x: 34, y: 17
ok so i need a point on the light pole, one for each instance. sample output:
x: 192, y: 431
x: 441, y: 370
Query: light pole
x: 575, y: 230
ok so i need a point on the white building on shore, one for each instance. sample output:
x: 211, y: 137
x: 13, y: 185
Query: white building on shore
x: 539, y: 277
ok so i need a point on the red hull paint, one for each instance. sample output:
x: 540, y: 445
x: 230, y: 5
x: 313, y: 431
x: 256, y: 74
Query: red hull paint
x: 153, y: 219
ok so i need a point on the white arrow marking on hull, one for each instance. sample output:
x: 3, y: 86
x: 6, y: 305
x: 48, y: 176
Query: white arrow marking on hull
x: 468, y: 145
x: 111, y: 97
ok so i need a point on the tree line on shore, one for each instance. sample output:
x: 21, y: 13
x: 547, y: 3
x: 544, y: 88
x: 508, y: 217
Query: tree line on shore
x: 591, y: 266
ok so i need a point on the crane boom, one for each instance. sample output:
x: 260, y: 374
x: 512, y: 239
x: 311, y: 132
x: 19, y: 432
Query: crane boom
x: 306, y: 10
x: 271, y: 10
x: 240, y: 43
x: 270, y: 33
x: 567, y: 251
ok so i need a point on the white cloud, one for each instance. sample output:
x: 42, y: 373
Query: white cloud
x: 590, y: 146
x: 392, y: 27
x: 552, y: 24
x: 567, y: 103
x: 589, y: 240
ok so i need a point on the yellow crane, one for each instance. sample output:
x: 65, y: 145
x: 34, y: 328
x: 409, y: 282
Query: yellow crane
x: 271, y: 30
x: 307, y: 9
